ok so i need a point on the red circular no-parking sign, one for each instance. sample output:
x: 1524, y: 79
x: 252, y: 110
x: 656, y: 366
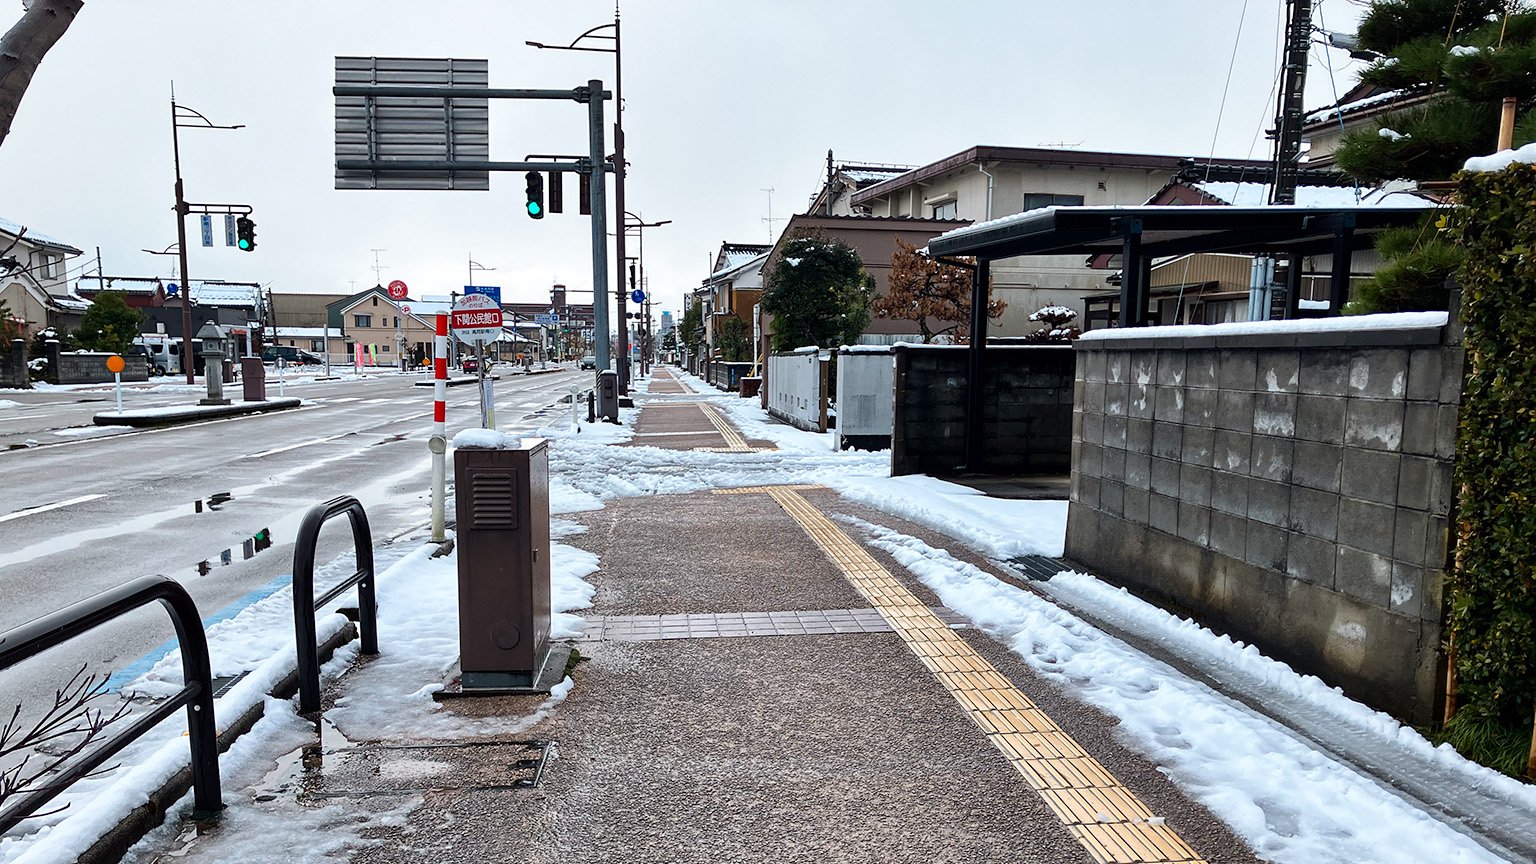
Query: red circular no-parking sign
x: 397, y: 290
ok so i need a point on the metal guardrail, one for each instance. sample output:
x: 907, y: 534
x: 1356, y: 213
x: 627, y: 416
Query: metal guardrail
x: 305, y: 601
x: 196, y: 694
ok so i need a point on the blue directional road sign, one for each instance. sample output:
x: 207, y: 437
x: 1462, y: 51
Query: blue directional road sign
x: 207, y: 230
x: 491, y: 291
x: 229, y: 229
x: 637, y: 295
x: 544, y: 320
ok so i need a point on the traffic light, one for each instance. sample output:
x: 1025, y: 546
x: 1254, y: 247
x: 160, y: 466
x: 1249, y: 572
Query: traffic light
x: 245, y: 234
x: 535, y: 195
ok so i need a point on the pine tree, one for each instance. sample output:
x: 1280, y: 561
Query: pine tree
x: 924, y: 290
x: 109, y: 324
x: 1465, y: 56
x: 817, y: 293
x: 9, y: 327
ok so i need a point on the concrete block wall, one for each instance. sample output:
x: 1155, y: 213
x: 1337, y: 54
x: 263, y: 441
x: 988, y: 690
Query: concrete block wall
x: 88, y: 367
x: 1026, y: 419
x: 13, y: 366
x: 1293, y: 490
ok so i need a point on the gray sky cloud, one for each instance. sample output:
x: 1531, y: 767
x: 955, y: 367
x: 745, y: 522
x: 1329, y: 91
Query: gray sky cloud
x: 724, y: 99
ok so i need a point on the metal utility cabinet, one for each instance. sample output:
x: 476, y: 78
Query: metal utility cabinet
x: 503, y: 554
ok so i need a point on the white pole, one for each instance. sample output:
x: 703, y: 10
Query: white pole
x: 439, y: 441
x: 326, y: 341
x: 118, y: 377
x: 280, y: 364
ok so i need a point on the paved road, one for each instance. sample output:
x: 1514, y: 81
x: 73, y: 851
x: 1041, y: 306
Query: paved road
x: 80, y: 515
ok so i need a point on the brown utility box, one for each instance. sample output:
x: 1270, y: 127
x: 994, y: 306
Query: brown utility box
x: 502, y: 544
x: 254, y: 377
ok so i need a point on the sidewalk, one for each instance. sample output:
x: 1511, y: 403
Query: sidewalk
x: 787, y: 656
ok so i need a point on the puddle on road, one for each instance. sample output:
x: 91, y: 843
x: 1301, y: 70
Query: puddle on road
x: 248, y: 549
x: 213, y: 502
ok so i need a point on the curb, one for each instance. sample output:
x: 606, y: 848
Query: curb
x: 455, y: 382
x: 194, y: 413
x: 111, y: 847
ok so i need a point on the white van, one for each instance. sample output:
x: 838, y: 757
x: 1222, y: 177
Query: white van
x: 164, y: 352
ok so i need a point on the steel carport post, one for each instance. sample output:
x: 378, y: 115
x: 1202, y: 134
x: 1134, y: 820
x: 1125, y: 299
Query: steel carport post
x: 305, y: 601
x: 37, y: 636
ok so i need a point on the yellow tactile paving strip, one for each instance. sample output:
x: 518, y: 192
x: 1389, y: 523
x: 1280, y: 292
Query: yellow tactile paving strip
x: 734, y: 443
x: 1105, y: 817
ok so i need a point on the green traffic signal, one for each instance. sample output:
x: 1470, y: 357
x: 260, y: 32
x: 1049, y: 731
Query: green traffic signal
x: 535, y: 195
x: 245, y: 234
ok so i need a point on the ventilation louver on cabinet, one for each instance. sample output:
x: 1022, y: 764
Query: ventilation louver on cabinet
x: 492, y: 499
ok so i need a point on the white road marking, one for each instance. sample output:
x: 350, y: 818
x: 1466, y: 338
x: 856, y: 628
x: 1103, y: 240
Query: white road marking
x: 308, y: 443
x: 341, y: 400
x: 44, y: 508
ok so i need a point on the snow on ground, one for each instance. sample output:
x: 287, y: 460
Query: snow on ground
x: 996, y: 527
x: 7, y: 403
x: 92, y: 431
x: 1292, y: 803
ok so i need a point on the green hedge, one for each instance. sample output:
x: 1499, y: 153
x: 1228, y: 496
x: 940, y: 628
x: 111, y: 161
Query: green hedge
x: 1491, y: 591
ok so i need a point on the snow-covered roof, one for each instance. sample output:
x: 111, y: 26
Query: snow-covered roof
x: 225, y: 294
x: 34, y: 237
x: 732, y: 272
x: 869, y: 175
x: 1257, y: 195
x: 733, y: 255
x: 301, y: 332
x: 70, y: 302
x: 1344, y: 109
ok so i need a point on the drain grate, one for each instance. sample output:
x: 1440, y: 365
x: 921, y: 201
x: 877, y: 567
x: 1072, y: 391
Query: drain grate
x: 369, y: 770
x: 223, y: 684
x: 1039, y: 567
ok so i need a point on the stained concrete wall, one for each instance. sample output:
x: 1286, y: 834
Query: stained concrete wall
x: 1026, y: 418
x: 13, y: 366
x: 1293, y: 490
x: 89, y: 367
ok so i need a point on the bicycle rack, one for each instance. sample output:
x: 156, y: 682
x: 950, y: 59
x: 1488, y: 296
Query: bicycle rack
x: 305, y: 601
x: 196, y: 693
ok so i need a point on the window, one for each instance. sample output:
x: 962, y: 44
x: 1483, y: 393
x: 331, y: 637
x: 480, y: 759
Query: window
x: 46, y: 267
x: 375, y: 301
x: 945, y: 210
x: 362, y: 320
x: 1037, y: 200
x: 317, y: 345
x: 384, y: 348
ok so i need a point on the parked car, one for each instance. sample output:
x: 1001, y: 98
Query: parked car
x: 472, y: 364
x: 290, y: 354
x: 587, y: 362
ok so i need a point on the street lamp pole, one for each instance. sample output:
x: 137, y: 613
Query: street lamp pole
x: 619, y: 171
x: 179, y: 113
x: 640, y: 225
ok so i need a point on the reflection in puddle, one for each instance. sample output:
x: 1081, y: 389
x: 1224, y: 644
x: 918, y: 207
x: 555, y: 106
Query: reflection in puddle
x: 213, y: 502
x: 258, y: 542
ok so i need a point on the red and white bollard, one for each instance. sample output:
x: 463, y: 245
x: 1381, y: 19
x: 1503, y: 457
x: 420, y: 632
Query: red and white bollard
x: 438, y: 443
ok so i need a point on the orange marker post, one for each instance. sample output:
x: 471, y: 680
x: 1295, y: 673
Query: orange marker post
x: 115, y: 365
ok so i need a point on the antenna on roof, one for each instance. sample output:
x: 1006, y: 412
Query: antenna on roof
x: 769, y: 218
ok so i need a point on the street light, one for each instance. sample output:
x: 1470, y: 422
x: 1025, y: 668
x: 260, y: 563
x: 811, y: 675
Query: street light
x: 619, y: 168
x: 640, y: 225
x: 183, y: 117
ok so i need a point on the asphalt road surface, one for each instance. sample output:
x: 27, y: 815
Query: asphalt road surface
x: 79, y: 515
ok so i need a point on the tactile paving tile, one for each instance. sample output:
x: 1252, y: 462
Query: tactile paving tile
x: 722, y: 625
x: 1105, y: 817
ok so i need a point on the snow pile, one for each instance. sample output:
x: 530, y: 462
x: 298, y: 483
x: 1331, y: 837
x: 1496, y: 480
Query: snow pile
x: 7, y: 403
x: 485, y: 439
x: 91, y: 431
x: 1502, y: 159
x: 1466, y: 51
x: 1392, y: 134
x: 1053, y: 312
x: 1292, y: 803
x: 1385, y: 321
x: 996, y: 527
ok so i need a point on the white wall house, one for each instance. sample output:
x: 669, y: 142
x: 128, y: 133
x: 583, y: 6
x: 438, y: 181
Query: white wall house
x: 33, y: 279
x: 985, y: 182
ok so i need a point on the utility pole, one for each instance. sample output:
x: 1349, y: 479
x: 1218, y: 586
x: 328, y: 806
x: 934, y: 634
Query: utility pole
x: 1291, y: 111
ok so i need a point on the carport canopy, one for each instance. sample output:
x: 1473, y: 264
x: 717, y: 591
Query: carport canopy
x: 1141, y: 234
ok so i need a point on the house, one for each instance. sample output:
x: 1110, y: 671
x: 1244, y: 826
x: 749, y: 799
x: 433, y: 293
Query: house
x: 1360, y: 108
x: 987, y: 182
x: 874, y: 238
x: 733, y: 286
x: 238, y: 305
x: 835, y: 197
x: 34, y: 281
x: 296, y: 309
x: 386, y: 328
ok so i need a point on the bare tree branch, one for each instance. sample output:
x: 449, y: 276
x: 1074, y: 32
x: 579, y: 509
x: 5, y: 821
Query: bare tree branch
x: 22, y: 49
x: 72, y: 717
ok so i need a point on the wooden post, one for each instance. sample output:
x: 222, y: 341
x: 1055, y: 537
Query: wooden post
x: 1530, y: 762
x: 1450, y: 682
x: 1507, y: 124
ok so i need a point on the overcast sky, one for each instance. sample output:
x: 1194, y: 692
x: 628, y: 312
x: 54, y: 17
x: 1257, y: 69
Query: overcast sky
x: 723, y: 100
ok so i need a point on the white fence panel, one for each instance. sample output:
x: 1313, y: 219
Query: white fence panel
x: 794, y: 390
x: 866, y: 395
